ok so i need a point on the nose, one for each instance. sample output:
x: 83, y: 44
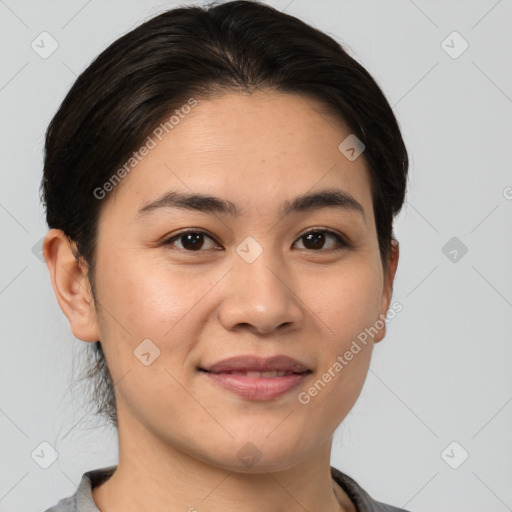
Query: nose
x: 260, y: 297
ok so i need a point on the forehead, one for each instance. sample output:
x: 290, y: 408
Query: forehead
x: 251, y: 149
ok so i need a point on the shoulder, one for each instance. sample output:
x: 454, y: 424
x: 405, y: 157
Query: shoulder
x: 82, y: 500
x: 361, y: 499
x: 64, y: 505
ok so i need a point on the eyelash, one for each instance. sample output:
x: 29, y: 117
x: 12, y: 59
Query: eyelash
x: 343, y: 242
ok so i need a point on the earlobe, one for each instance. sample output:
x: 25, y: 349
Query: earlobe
x: 71, y: 285
x: 389, y: 278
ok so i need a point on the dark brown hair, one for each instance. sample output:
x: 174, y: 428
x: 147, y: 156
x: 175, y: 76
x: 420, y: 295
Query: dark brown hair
x: 200, y: 52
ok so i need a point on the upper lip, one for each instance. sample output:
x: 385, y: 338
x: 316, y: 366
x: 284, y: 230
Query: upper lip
x: 254, y: 363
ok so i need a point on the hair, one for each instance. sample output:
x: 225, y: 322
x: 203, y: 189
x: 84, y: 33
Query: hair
x: 203, y: 52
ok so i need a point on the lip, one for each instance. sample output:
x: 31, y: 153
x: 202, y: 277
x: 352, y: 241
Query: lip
x: 258, y: 364
x: 257, y: 387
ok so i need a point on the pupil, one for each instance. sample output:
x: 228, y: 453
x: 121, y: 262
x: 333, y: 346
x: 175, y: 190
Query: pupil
x: 317, y: 238
x: 194, y: 241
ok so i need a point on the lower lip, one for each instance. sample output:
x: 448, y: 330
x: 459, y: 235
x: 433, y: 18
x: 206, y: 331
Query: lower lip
x: 258, y: 388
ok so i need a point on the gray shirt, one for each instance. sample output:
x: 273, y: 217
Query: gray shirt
x: 82, y: 500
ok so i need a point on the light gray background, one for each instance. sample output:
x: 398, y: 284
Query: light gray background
x: 443, y: 372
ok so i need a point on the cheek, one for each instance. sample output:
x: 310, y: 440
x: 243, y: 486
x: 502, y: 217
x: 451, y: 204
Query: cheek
x: 347, y: 307
x: 148, y: 300
x: 144, y: 302
x: 347, y: 301
x: 141, y: 302
x: 347, y: 304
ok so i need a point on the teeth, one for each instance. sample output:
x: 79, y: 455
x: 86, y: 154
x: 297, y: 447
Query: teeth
x: 270, y: 374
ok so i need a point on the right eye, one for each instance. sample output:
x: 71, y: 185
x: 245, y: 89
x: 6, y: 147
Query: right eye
x: 191, y: 240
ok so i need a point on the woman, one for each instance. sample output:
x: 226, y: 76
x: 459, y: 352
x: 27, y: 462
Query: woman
x: 220, y: 184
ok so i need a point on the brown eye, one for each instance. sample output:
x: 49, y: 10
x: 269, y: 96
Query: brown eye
x: 192, y: 241
x: 317, y: 240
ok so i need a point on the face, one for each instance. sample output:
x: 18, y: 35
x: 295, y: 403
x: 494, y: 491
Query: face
x: 254, y: 273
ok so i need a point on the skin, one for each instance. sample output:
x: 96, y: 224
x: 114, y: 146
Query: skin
x: 179, y: 432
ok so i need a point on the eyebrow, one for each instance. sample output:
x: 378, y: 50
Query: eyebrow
x: 210, y: 204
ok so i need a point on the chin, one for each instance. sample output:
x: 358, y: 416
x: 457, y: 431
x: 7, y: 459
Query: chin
x: 263, y: 465
x: 259, y: 453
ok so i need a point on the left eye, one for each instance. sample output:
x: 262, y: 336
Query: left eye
x: 315, y: 240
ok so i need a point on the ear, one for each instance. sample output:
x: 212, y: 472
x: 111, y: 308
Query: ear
x: 71, y: 285
x: 389, y: 277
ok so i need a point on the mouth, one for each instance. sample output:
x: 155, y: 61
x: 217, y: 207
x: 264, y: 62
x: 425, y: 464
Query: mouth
x: 254, y: 378
x: 269, y: 374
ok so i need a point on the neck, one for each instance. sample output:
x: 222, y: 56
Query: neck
x: 152, y: 475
